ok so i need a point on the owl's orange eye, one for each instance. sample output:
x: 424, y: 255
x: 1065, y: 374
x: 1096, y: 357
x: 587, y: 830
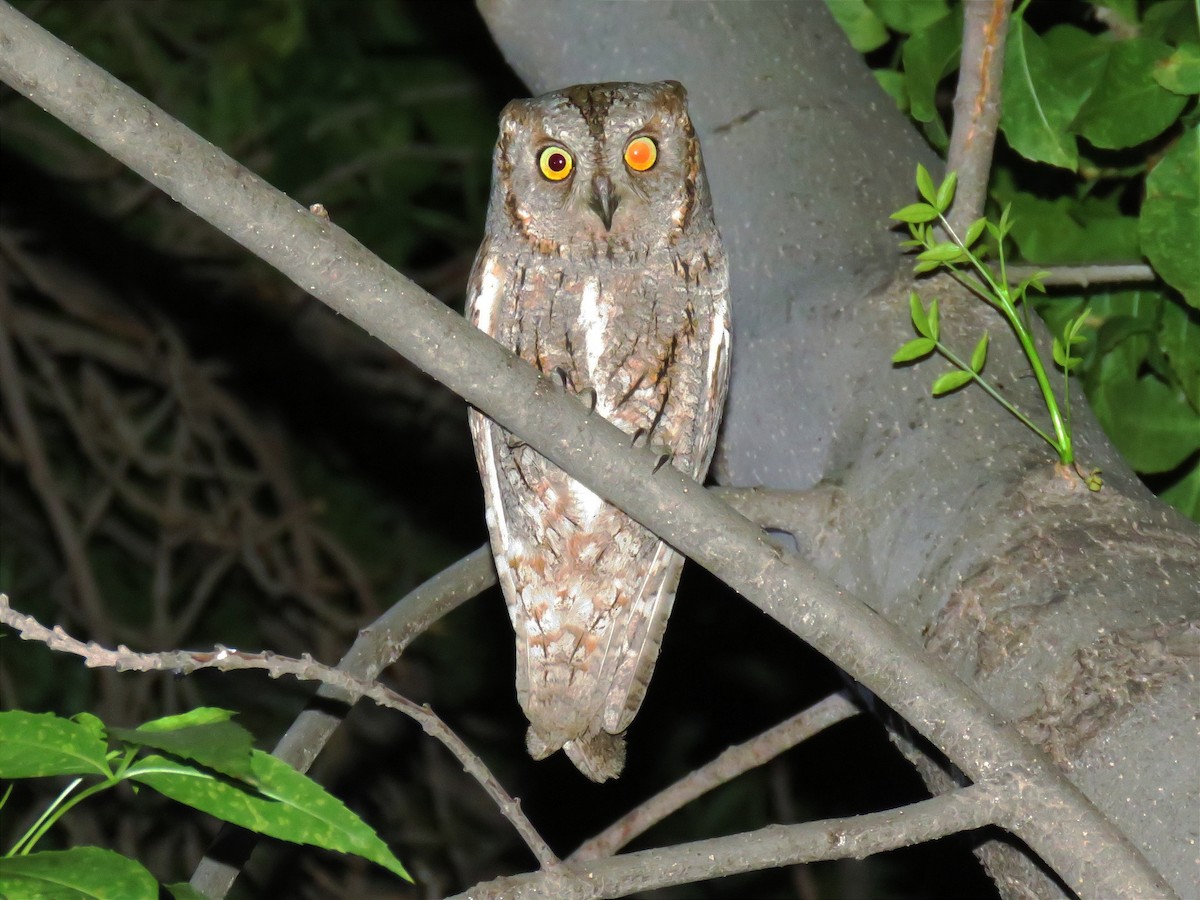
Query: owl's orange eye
x: 555, y: 163
x: 641, y: 154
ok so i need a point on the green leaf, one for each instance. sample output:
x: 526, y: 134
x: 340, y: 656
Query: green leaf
x: 919, y: 318
x: 1184, y: 494
x: 1173, y: 21
x: 974, y: 230
x: 1066, y: 231
x: 1180, y: 72
x: 37, y: 744
x: 914, y: 349
x: 1004, y: 226
x: 929, y: 56
x: 894, y: 85
x: 1128, y: 106
x: 1034, y: 281
x: 934, y: 327
x: 1036, y: 111
x: 1152, y: 424
x: 864, y: 29
x: 915, y: 212
x: 1062, y: 355
x: 1170, y: 220
x: 949, y: 381
x: 925, y: 185
x: 1179, y: 337
x: 911, y: 15
x: 82, y: 872
x: 222, y: 745
x: 979, y: 356
x: 945, y: 192
x: 201, y: 715
x: 285, y: 805
x: 945, y: 252
x: 927, y: 266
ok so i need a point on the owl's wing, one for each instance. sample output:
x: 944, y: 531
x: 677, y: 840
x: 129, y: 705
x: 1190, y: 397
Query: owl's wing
x: 485, y: 292
x: 633, y: 663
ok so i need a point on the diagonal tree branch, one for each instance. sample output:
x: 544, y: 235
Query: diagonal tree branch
x: 333, y: 267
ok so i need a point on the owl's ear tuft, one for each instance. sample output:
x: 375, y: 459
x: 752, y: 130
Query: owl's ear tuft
x: 675, y: 88
x: 513, y: 112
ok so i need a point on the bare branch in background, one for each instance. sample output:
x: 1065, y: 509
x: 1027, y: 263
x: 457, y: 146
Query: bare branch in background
x: 1085, y: 276
x: 733, y: 762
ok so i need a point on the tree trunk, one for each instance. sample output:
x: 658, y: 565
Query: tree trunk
x: 1075, y: 614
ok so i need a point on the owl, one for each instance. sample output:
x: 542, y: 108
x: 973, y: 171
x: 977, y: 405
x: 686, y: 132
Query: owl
x: 602, y: 266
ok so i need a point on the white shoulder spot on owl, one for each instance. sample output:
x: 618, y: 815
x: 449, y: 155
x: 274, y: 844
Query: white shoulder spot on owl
x: 487, y: 301
x: 594, y: 316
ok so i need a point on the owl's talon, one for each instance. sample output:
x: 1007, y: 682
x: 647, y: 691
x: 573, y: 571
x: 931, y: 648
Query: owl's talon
x: 641, y: 432
x: 663, y: 460
x: 563, y: 376
x: 595, y: 398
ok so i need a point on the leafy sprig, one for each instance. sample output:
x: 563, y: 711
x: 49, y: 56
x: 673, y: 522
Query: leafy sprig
x: 199, y: 758
x: 962, y: 258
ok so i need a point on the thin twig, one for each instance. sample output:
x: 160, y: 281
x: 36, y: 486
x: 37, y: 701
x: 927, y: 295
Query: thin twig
x: 122, y: 659
x: 733, y: 762
x: 977, y: 106
x: 1085, y: 276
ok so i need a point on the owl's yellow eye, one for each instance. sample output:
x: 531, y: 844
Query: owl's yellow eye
x: 555, y: 163
x: 641, y: 154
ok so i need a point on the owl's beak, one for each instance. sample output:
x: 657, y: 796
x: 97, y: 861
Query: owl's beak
x: 604, y: 199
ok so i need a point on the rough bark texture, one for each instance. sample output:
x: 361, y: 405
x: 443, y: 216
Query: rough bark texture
x: 1076, y: 615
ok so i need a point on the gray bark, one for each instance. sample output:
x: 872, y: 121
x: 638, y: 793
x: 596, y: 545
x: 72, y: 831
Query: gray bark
x: 1075, y: 615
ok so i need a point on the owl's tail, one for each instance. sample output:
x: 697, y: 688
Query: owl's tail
x: 598, y: 755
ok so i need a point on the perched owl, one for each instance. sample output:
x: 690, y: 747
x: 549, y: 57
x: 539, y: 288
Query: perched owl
x: 602, y: 267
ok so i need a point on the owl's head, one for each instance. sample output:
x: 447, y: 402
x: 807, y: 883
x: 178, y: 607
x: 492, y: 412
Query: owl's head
x: 599, y: 164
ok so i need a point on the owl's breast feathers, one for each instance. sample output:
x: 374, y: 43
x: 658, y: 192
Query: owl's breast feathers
x: 588, y: 589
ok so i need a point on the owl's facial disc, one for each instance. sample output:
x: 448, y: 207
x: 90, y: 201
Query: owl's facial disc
x: 604, y: 200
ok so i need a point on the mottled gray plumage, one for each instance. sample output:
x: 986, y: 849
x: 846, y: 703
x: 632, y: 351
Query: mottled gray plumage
x: 610, y: 272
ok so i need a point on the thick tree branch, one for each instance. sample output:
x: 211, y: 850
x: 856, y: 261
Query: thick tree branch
x: 336, y: 269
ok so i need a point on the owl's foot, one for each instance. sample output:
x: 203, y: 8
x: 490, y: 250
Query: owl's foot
x: 663, y: 460
x: 593, y: 401
x: 565, y: 377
